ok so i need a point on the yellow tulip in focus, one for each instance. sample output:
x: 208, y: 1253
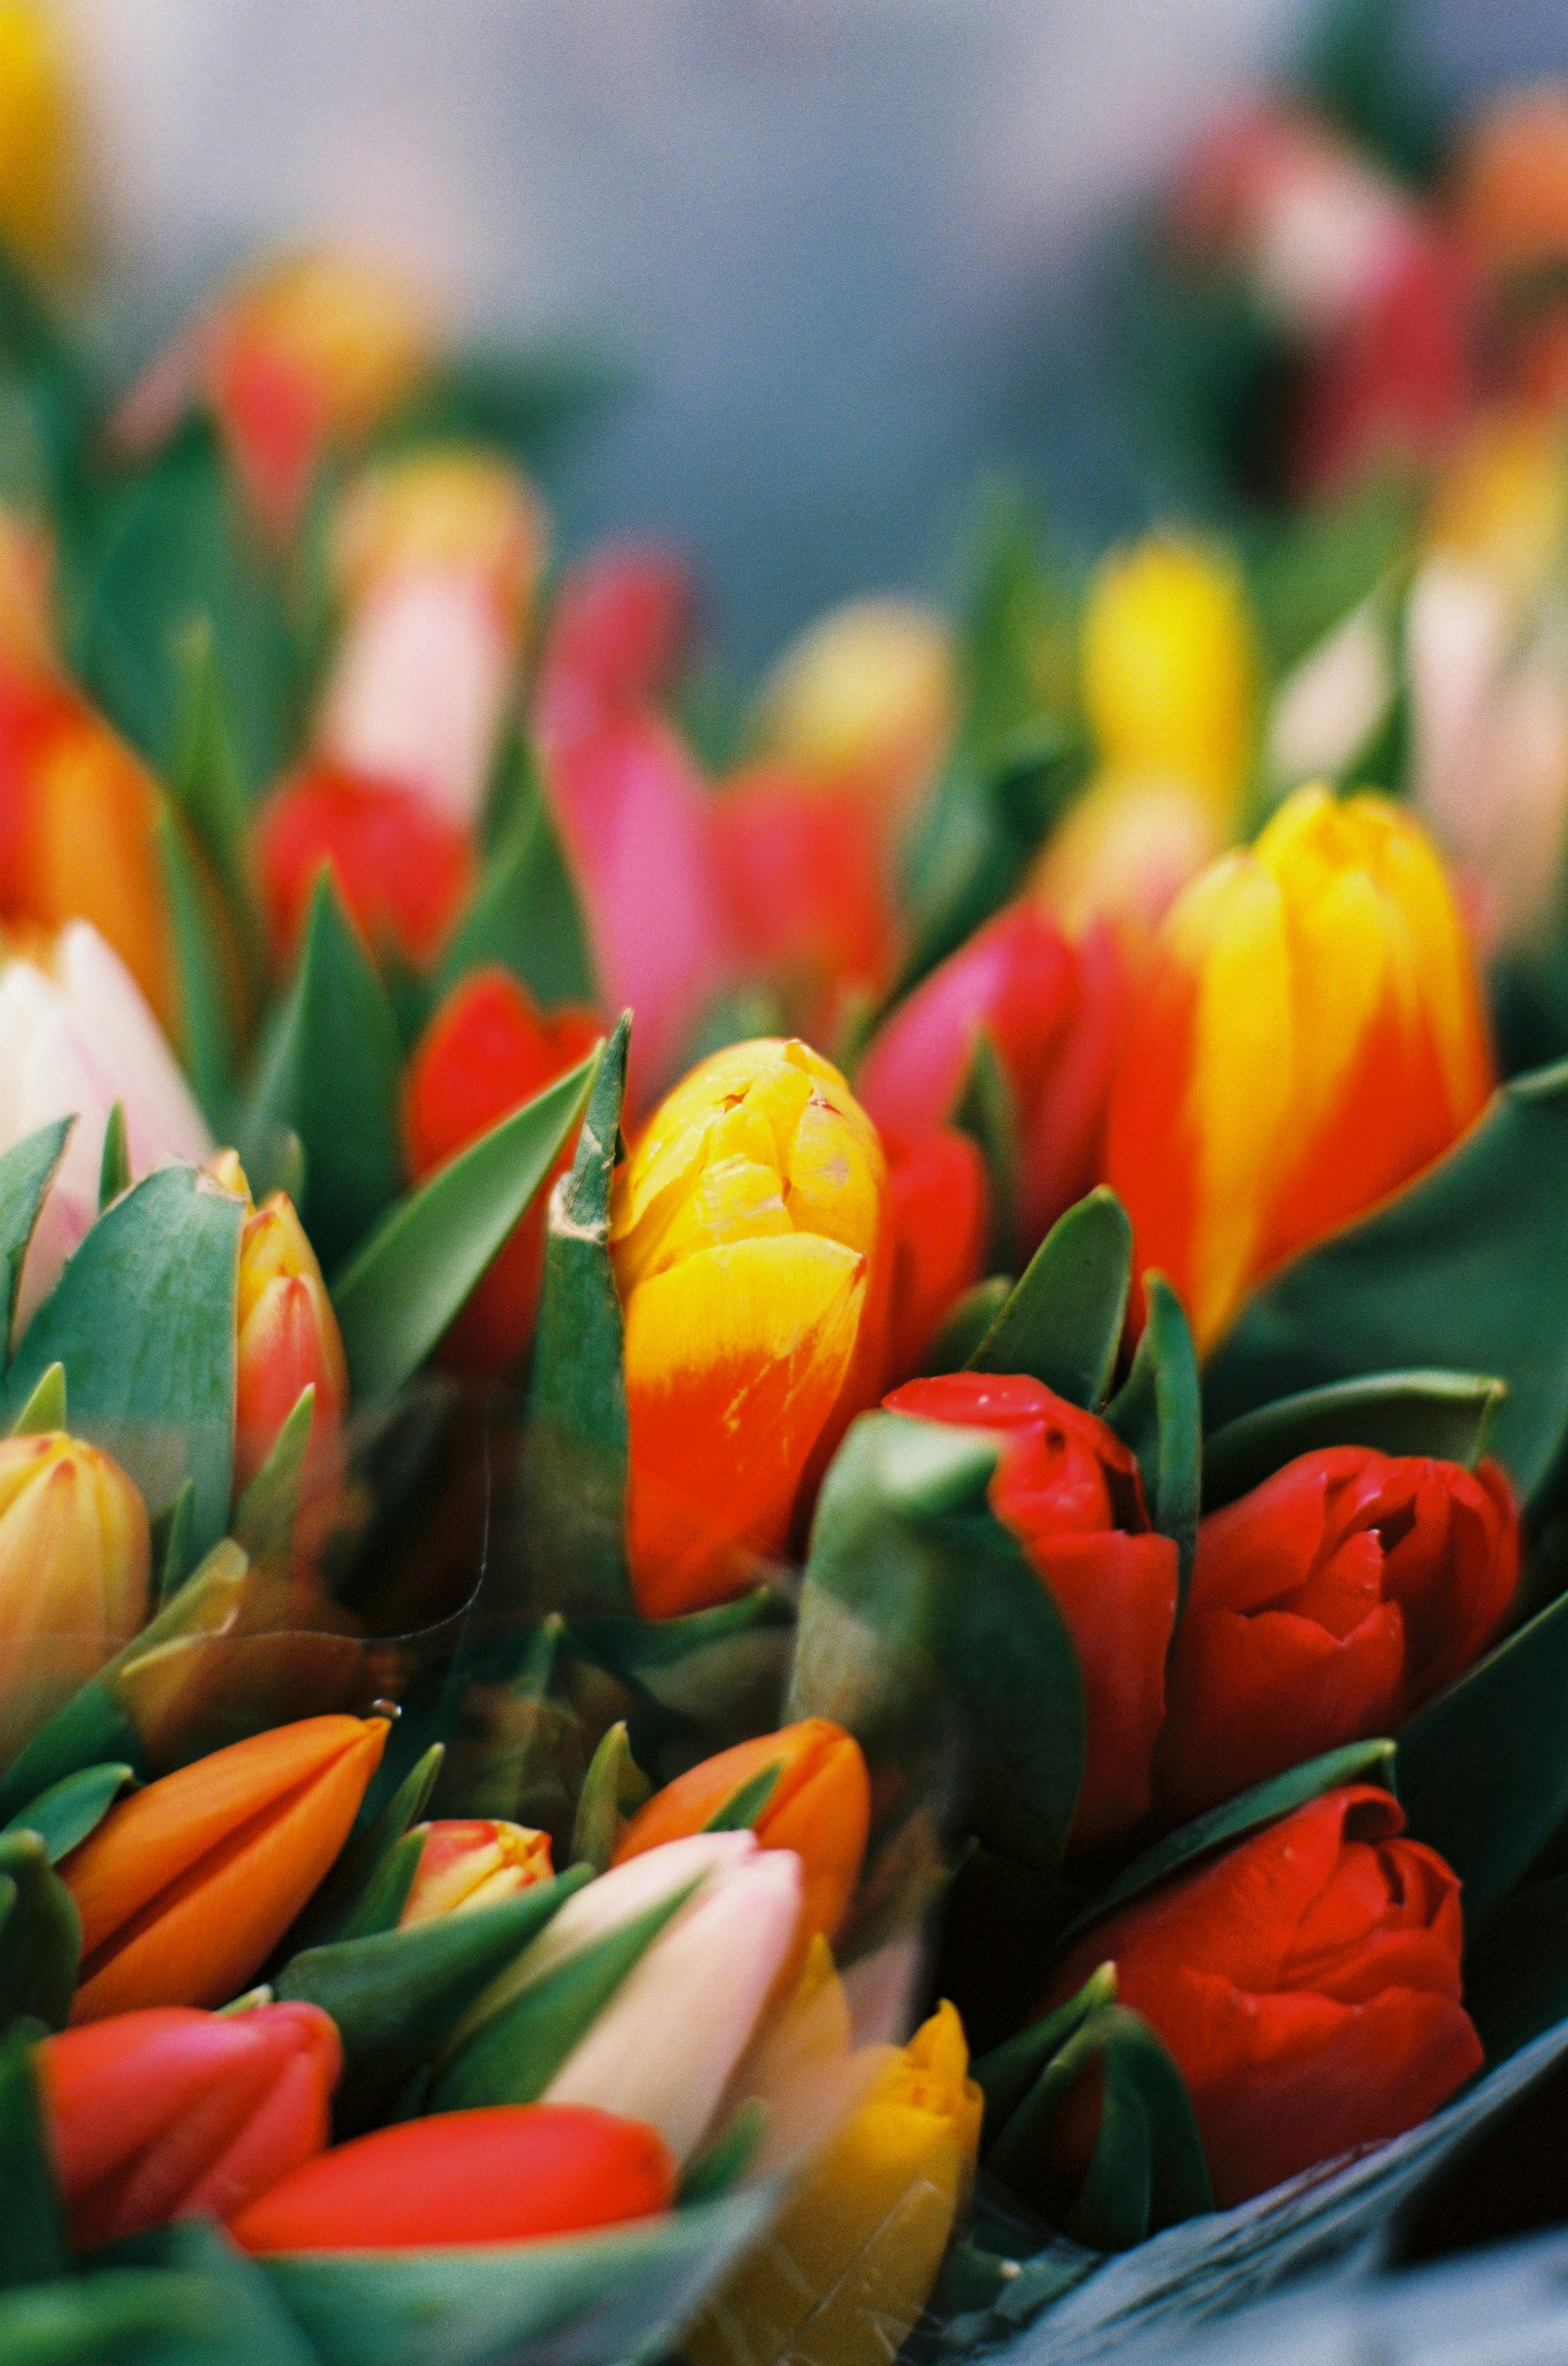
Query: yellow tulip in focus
x: 1124, y: 852
x: 752, y: 1248
x: 1169, y: 668
x: 38, y: 158
x: 1309, y: 1036
x: 855, y: 2256
x: 74, y: 1555
x: 866, y: 696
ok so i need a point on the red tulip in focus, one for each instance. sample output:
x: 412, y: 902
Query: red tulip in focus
x: 159, y: 2114
x: 402, y: 869
x: 1324, y: 1606
x: 487, y: 1051
x: 1307, y: 1983
x: 1069, y: 1491
x: 501, y: 2175
x: 1053, y: 1011
x: 805, y: 890
x: 940, y: 1204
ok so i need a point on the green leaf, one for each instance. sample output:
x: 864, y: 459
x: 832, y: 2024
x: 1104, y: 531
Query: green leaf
x: 525, y: 915
x: 718, y: 1671
x: 1443, y: 1413
x: 142, y: 1319
x: 917, y: 1600
x: 1158, y: 1411
x: 330, y: 1073
x: 113, y: 1164
x: 1465, y: 1271
x: 45, y: 1409
x: 41, y: 1937
x: 208, y: 1022
x: 720, y: 2166
x: 386, y: 1891
x: 1005, y: 2075
x: 243, y: 2321
x: 64, y: 1814
x: 348, y: 1887
x: 33, y: 2245
x: 575, y: 1473
x: 204, y: 781
x: 27, y: 1170
x: 965, y: 1325
x: 119, y: 2316
x: 412, y: 1275
x: 1063, y: 1323
x: 987, y: 1113
x: 1178, y: 1852
x: 748, y: 1803
x: 264, y: 1516
x: 174, y: 1541
x: 612, y: 1789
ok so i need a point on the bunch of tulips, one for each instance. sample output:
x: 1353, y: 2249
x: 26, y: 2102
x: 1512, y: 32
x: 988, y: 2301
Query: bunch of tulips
x: 657, y: 1340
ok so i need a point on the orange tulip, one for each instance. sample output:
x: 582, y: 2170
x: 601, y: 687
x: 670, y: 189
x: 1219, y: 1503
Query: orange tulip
x: 819, y: 1807
x: 469, y: 1861
x: 185, y: 1888
x: 289, y: 1337
x: 1309, y: 1037
x: 753, y: 1250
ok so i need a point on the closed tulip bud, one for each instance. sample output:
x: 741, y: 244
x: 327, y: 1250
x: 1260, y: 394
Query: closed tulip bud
x: 185, y: 1887
x: 1123, y: 853
x: 1324, y: 1606
x: 488, y: 1050
x: 752, y: 1248
x: 866, y: 697
x: 1308, y: 1038
x: 511, y: 2174
x: 941, y: 1203
x: 74, y: 1556
x: 854, y: 2257
x: 818, y: 1805
x: 1307, y: 1983
x: 287, y: 1339
x: 1069, y: 1491
x: 469, y: 1863
x: 1169, y: 669
x: 400, y: 866
x: 39, y: 185
x: 167, y: 2114
x: 1052, y: 1011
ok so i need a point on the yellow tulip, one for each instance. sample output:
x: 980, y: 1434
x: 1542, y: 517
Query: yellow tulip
x: 39, y: 159
x: 1169, y: 668
x: 866, y: 696
x: 74, y: 1556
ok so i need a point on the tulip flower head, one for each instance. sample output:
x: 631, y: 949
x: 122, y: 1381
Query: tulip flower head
x: 287, y: 1339
x: 1069, y: 1491
x: 1308, y: 1038
x: 40, y: 187
x: 400, y: 866
x: 185, y: 1887
x: 470, y: 1863
x: 75, y: 1559
x: 866, y: 697
x: 167, y: 2114
x: 1307, y: 1983
x: 1324, y: 1606
x: 752, y: 1248
x: 1169, y: 669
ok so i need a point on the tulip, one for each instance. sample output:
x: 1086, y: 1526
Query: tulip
x: 1325, y: 1606
x: 1309, y: 1037
x: 40, y: 187
x: 287, y: 1339
x: 1069, y: 1491
x: 1122, y: 854
x: 438, y: 554
x: 855, y: 2255
x: 1169, y: 669
x: 618, y: 630
x: 488, y: 1050
x: 167, y: 2114
x: 819, y: 1807
x: 402, y: 868
x: 940, y: 1210
x: 751, y: 1242
x: 511, y: 2174
x: 185, y: 1887
x: 1512, y: 192
x: 74, y: 1558
x: 75, y: 1037
x: 1052, y: 1011
x: 1307, y: 1983
x: 470, y: 1863
x: 28, y: 630
x: 867, y: 698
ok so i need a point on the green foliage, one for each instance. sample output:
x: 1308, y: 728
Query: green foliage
x: 1158, y: 1411
x: 1443, y: 1413
x: 41, y: 1937
x: 525, y: 915
x: 614, y: 1789
x: 1062, y: 1322
x: 27, y: 1169
x: 62, y: 1816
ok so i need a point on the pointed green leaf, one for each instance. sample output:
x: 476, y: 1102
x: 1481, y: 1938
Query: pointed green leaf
x: 204, y: 782
x: 157, y: 1275
x: 987, y: 1113
x: 1158, y: 1411
x: 45, y: 1409
x: 114, y: 1166
x: 720, y: 2166
x: 33, y: 2245
x: 412, y: 1275
x: 525, y: 915
x: 1443, y: 1413
x: 64, y: 1814
x: 174, y: 1541
x: 41, y: 1937
x: 264, y: 1516
x: 208, y: 1024
x: 965, y: 1325
x: 386, y: 1891
x: 1006, y: 2075
x: 27, y: 1169
x: 718, y: 1672
x: 342, y: 1894
x: 1063, y: 1323
x: 614, y: 1789
x: 748, y: 1803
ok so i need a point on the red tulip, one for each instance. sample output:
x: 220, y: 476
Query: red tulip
x: 1397, y: 378
x: 1053, y: 1011
x: 941, y: 1217
x: 501, y: 2175
x: 1324, y: 1606
x: 400, y: 867
x: 1307, y: 1983
x: 616, y: 634
x: 1069, y: 1491
x: 487, y: 1051
x: 154, y: 2115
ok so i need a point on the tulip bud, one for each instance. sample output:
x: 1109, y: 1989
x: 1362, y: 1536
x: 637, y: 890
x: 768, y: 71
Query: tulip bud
x: 941, y: 1214
x: 185, y: 1887
x: 511, y: 2174
x: 473, y: 1863
x: 1169, y: 668
x: 751, y: 1242
x: 487, y: 1050
x: 39, y: 189
x: 1308, y: 1037
x: 164, y: 2114
x: 818, y: 1805
x: 402, y: 867
x: 287, y: 1339
x: 866, y: 697
x: 74, y: 1556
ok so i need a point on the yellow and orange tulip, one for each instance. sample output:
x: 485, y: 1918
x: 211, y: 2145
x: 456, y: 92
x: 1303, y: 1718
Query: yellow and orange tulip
x: 185, y: 1888
x: 287, y: 1338
x: 1170, y: 668
x: 1310, y: 1036
x: 752, y: 1251
x: 469, y: 1861
x: 819, y: 1807
x: 74, y: 1556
